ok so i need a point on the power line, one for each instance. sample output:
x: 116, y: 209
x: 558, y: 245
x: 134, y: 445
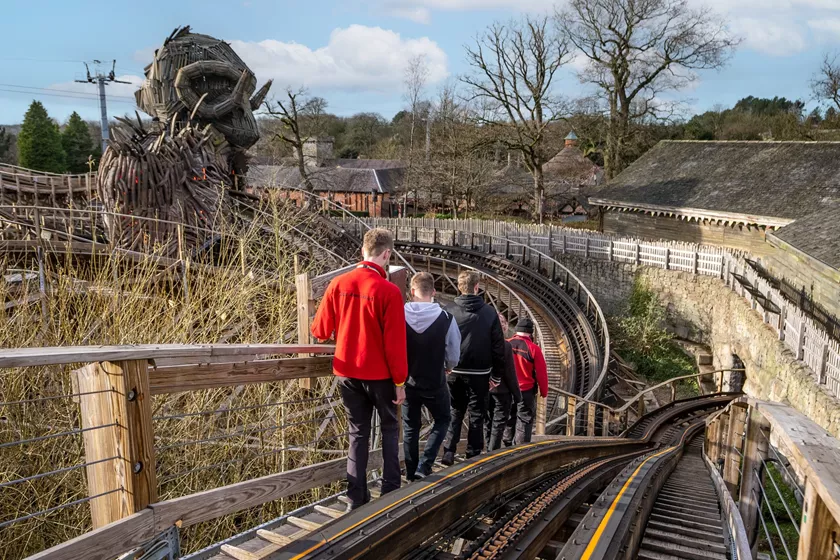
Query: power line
x: 51, y: 90
x: 65, y: 96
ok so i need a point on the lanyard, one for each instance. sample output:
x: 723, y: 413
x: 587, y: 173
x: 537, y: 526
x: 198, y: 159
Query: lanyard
x: 367, y: 266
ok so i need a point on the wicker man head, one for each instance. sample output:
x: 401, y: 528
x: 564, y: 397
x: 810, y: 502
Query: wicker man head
x: 196, y: 77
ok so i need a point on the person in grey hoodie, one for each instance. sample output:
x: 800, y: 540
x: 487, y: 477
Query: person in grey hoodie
x: 434, y: 348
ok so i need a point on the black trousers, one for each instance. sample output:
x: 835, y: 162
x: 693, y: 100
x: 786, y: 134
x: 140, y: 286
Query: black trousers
x: 495, y: 423
x: 469, y: 395
x: 521, y: 419
x: 361, y: 398
x: 438, y: 406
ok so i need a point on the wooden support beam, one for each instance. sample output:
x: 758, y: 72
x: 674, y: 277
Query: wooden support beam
x: 571, y: 409
x: 542, y: 407
x: 116, y: 400
x: 752, y: 471
x: 732, y: 447
x: 820, y: 532
x: 305, y: 311
x: 590, y: 419
x: 606, y: 419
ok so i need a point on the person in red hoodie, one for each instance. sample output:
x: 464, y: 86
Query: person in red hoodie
x: 363, y: 311
x: 532, y: 375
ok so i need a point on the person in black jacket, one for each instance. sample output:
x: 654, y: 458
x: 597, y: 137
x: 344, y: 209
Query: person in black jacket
x: 482, y: 363
x: 503, y: 397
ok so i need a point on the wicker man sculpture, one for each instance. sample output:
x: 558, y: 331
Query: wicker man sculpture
x: 202, y: 98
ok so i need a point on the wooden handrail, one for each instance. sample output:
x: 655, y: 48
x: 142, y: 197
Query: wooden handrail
x: 189, y: 353
x: 813, y: 455
x: 640, y: 394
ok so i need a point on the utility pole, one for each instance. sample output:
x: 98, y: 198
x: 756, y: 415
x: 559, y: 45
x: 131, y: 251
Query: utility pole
x: 102, y: 79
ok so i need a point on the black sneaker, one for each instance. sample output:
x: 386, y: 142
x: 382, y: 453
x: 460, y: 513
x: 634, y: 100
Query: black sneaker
x: 448, y: 459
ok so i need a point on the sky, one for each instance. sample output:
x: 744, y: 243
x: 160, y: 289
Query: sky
x: 353, y: 52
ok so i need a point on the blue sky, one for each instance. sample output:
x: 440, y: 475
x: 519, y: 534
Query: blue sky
x: 353, y: 52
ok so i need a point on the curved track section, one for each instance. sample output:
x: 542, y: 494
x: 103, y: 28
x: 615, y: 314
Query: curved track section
x: 509, y: 504
x: 583, y: 341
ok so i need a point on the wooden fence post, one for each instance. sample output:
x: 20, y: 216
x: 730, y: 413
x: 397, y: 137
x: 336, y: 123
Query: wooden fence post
x: 732, y: 446
x: 782, y: 319
x: 590, y: 419
x: 539, y: 427
x: 571, y: 409
x: 819, y: 529
x: 115, y: 399
x: 755, y: 452
x: 800, y: 343
x: 305, y: 311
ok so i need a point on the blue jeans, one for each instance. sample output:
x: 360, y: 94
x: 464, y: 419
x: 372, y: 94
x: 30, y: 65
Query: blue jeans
x: 438, y: 406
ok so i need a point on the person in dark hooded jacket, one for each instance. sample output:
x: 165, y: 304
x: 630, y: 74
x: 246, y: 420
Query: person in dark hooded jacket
x: 481, y: 363
x: 503, y: 398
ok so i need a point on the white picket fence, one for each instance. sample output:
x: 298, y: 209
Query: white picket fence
x: 806, y: 339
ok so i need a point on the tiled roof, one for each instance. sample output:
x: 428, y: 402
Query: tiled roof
x: 769, y: 182
x: 336, y: 179
x: 817, y: 234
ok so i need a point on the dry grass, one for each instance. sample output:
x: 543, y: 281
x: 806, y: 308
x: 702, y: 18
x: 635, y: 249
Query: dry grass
x: 118, y: 300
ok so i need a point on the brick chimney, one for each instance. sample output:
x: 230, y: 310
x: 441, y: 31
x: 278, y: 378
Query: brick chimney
x: 571, y: 139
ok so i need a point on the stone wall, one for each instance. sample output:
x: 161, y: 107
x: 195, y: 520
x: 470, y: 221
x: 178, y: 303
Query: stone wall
x: 704, y: 310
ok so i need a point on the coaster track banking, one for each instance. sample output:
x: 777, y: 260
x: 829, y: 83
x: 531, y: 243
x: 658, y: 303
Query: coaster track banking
x: 561, y: 310
x: 513, y: 500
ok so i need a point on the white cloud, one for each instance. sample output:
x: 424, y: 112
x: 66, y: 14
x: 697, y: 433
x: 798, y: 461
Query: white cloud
x: 417, y: 14
x: 356, y: 58
x: 113, y: 89
x: 421, y: 10
x: 830, y: 26
x: 770, y: 37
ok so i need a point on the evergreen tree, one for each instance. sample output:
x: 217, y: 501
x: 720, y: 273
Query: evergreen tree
x: 6, y: 139
x: 39, y: 141
x: 78, y: 144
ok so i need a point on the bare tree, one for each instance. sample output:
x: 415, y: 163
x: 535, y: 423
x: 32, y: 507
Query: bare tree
x: 416, y: 75
x: 302, y: 117
x: 513, y: 73
x: 457, y: 169
x: 826, y: 83
x: 638, y: 49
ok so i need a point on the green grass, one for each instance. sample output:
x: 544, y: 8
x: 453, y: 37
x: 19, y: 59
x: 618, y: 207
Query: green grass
x: 640, y: 337
x: 786, y: 526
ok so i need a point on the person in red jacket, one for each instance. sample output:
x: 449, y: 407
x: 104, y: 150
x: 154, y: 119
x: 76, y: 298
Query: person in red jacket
x: 532, y: 375
x: 363, y: 311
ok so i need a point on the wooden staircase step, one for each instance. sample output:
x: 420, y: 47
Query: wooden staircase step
x: 329, y: 512
x: 277, y: 538
x: 242, y: 554
x: 304, y: 523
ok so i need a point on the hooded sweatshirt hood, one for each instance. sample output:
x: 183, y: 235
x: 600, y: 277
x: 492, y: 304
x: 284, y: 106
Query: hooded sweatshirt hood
x: 419, y: 315
x: 470, y: 303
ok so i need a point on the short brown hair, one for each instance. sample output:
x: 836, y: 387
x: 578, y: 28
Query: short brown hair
x: 467, y: 281
x: 423, y: 283
x: 377, y: 241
